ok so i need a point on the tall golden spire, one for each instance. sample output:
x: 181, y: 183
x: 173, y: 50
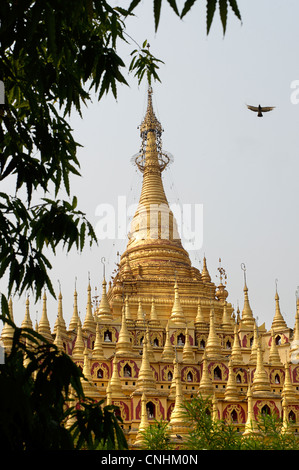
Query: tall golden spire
x: 58, y: 340
x: 154, y: 321
x: 274, y: 357
x: 206, y: 388
x: 247, y: 315
x: 44, y: 325
x: 151, y: 163
x: 288, y: 391
x: 146, y: 380
x: 115, y: 387
x: 75, y: 318
x: 104, y: 310
x: 97, y: 352
x: 177, y: 314
x: 86, y: 381
x: 27, y: 323
x: 153, y: 225
x: 236, y: 355
x: 128, y: 315
x: 168, y: 351
x: 278, y: 322
x: 89, y: 321
x: 86, y: 365
x: 177, y: 423
x: 124, y: 346
x: 144, y: 423
x: 251, y: 426
x: 79, y: 343
x: 261, y: 382
x: 60, y: 318
x: 140, y: 321
x: 231, y: 390
x: 199, y: 317
x: 188, y: 354
x: 205, y: 275
x: 213, y: 346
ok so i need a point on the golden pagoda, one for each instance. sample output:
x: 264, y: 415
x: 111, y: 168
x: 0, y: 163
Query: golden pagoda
x: 164, y: 332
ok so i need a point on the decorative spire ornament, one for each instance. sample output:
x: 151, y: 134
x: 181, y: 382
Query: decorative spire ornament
x: 205, y: 275
x: 44, y: 325
x: 261, y: 382
x: 115, y: 386
x: 60, y: 318
x: 236, y: 355
x: 27, y: 323
x: 213, y: 346
x: 89, y: 321
x: 199, y: 317
x: 97, y: 352
x: 168, y: 351
x: 104, y: 310
x: 75, y: 318
x: 251, y: 426
x: 188, y: 354
x: 123, y: 346
x: 206, y: 388
x: 144, y: 422
x: 79, y: 343
x: 247, y: 315
x: 278, y: 322
x: 274, y: 357
x: 146, y: 380
x: 177, y: 314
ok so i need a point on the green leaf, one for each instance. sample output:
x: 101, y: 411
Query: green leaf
x: 157, y: 12
x: 133, y: 5
x: 173, y: 5
x: 234, y: 7
x: 188, y: 5
x: 223, y: 13
x: 4, y: 306
x: 211, y: 6
x: 82, y: 236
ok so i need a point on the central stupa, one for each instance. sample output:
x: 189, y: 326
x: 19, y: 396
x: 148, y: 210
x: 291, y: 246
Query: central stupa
x: 155, y: 260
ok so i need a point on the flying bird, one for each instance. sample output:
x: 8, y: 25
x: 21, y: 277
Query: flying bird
x: 260, y: 110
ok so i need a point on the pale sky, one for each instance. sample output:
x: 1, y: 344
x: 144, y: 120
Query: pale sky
x: 242, y: 169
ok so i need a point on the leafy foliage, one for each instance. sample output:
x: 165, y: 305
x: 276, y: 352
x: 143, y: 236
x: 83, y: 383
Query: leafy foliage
x: 271, y: 435
x: 208, y: 433
x: 36, y: 382
x: 156, y: 436
x: 26, y: 232
x: 210, y: 6
x: 53, y: 55
x: 144, y: 63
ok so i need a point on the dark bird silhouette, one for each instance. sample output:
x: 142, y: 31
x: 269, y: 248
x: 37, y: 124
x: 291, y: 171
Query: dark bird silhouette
x: 260, y: 110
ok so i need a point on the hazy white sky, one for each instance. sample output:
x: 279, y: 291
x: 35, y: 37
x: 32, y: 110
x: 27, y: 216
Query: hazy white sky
x: 243, y: 169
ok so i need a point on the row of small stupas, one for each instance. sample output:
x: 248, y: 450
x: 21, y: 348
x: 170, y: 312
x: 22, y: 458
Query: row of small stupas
x: 164, y: 332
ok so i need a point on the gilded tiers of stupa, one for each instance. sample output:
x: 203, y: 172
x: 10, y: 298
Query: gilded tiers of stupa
x: 164, y: 332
